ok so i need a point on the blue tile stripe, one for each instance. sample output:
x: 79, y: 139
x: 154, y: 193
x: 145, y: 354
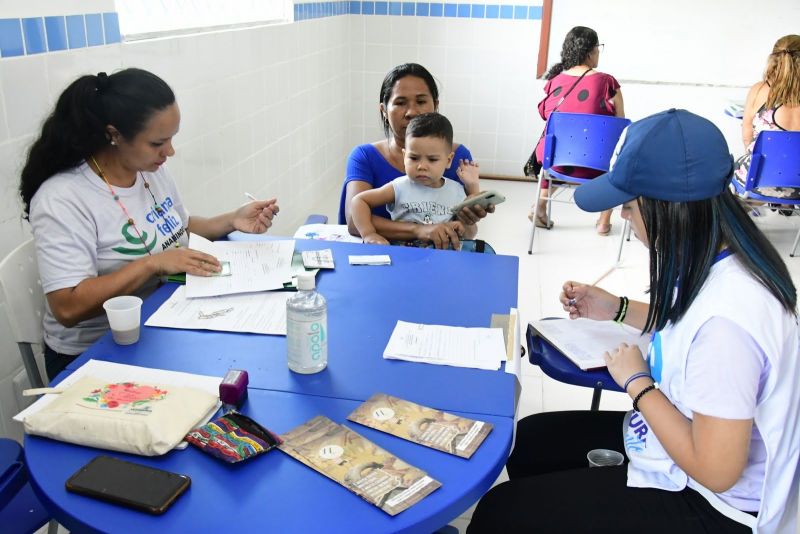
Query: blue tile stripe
x: 36, y: 35
x: 316, y: 10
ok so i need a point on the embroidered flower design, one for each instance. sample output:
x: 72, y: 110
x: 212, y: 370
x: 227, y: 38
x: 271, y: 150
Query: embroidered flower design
x: 125, y: 395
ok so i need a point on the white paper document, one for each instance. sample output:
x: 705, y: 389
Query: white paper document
x: 326, y: 232
x: 375, y: 259
x: 257, y: 313
x: 481, y: 348
x: 584, y: 341
x: 254, y: 266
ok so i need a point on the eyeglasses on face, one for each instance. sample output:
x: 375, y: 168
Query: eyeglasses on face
x: 600, y: 47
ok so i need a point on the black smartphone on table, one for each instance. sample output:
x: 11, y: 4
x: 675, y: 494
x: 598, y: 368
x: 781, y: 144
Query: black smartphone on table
x: 130, y: 484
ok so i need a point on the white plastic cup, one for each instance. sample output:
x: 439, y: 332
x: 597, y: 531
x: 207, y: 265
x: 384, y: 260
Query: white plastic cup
x: 124, y: 317
x: 604, y: 458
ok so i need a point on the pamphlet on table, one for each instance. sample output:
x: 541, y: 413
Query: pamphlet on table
x: 584, y: 341
x: 254, y: 266
x: 413, y: 422
x: 480, y: 348
x: 359, y: 465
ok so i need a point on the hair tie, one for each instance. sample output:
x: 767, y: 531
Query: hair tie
x: 102, y: 82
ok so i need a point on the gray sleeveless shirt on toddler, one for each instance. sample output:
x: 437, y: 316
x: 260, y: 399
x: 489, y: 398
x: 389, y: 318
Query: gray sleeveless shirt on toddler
x: 422, y: 204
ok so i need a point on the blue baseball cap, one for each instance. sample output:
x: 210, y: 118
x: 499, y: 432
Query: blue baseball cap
x: 674, y: 155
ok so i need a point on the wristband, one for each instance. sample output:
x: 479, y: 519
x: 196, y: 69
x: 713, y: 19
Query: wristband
x: 641, y: 394
x: 634, y: 377
x: 623, y: 309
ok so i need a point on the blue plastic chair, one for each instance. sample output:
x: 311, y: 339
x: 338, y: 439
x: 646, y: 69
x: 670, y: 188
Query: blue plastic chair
x: 20, y: 510
x: 576, y: 140
x: 775, y: 163
x: 558, y: 367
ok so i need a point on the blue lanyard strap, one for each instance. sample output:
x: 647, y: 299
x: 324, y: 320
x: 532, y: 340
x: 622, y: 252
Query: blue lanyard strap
x: 722, y: 255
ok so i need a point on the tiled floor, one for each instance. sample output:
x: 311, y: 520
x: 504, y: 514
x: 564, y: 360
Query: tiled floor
x: 572, y: 251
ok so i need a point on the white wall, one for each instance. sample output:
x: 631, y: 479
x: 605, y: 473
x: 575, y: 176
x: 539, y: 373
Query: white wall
x: 485, y: 69
x: 717, y: 42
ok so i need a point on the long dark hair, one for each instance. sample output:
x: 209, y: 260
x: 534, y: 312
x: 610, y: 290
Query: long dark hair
x: 397, y: 73
x: 684, y: 239
x: 578, y: 44
x: 77, y: 127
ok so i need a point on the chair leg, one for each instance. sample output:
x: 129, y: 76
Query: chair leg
x: 535, y: 214
x: 622, y: 240
x: 794, y: 246
x: 32, y: 370
x: 598, y: 390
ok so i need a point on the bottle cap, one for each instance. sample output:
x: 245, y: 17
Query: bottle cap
x: 305, y: 281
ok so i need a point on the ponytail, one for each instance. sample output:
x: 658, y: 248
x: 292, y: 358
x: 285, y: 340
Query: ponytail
x: 77, y: 126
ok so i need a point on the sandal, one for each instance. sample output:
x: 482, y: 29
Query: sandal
x: 542, y: 222
x: 603, y: 229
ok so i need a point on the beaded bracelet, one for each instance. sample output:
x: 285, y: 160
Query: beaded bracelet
x: 634, y: 377
x: 623, y: 309
x: 641, y: 394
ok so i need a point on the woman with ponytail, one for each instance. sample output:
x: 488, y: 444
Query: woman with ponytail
x: 576, y: 86
x: 106, y: 214
x: 773, y: 104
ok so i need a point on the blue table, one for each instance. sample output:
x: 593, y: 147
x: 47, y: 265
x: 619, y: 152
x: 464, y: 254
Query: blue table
x: 364, y: 304
x: 274, y: 491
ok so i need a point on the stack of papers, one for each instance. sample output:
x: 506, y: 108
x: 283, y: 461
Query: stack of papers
x: 254, y: 266
x: 239, y: 300
x: 256, y: 313
x: 584, y: 341
x: 479, y: 348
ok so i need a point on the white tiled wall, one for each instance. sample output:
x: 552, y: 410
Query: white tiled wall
x: 485, y: 69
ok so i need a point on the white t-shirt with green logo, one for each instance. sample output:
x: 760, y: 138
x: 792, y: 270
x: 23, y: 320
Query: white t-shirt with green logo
x: 82, y: 232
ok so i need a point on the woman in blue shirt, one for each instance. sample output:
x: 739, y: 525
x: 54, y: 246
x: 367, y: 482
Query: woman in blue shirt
x: 408, y: 90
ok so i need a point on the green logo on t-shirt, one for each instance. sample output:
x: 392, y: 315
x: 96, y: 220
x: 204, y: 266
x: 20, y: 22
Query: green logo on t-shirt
x: 144, y: 246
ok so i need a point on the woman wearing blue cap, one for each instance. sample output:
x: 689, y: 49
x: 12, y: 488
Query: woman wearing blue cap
x: 712, y: 441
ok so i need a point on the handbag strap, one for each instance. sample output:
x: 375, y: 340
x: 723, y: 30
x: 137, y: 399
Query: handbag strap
x: 570, y: 89
x: 560, y: 101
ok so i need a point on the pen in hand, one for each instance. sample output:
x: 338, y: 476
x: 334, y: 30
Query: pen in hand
x: 251, y: 197
x: 600, y: 278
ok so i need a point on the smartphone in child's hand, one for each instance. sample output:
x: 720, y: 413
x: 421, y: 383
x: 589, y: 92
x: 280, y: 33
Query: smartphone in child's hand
x: 483, y: 199
x: 129, y: 484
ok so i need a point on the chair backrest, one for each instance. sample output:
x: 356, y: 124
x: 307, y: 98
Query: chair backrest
x: 20, y: 510
x: 21, y: 290
x: 775, y: 161
x: 581, y: 140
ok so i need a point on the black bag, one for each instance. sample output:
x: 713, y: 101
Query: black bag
x: 533, y: 166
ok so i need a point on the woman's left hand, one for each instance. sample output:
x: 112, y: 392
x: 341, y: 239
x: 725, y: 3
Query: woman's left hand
x: 255, y: 217
x: 625, y: 361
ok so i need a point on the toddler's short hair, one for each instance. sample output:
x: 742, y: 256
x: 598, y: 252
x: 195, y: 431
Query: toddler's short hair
x: 431, y: 125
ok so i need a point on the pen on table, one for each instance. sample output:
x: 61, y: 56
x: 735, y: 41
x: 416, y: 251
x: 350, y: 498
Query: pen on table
x: 599, y: 279
x: 251, y: 197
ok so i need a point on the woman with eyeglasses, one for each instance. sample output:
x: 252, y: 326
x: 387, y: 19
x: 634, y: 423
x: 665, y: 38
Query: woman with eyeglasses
x: 773, y: 104
x: 576, y: 86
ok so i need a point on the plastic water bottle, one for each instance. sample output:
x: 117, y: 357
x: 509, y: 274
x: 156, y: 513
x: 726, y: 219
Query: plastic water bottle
x: 307, y: 328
